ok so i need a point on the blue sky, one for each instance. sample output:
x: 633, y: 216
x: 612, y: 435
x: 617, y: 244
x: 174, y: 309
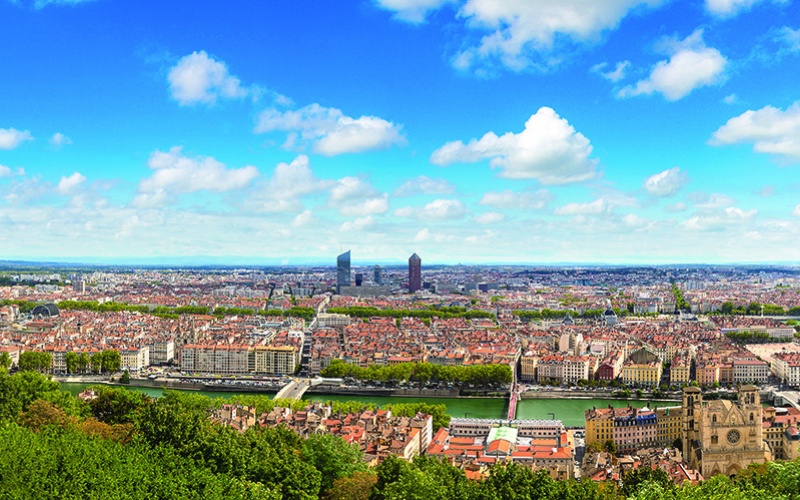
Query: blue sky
x: 523, y: 131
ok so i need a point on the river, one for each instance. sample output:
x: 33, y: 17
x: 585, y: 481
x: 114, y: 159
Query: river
x: 570, y: 411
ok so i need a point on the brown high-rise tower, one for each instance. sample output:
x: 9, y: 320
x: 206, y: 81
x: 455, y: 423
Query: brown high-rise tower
x: 414, y: 273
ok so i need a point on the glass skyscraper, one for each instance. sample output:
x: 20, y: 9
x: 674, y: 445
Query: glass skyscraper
x: 342, y: 271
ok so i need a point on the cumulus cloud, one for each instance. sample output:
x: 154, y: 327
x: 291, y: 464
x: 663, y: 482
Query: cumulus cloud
x: 678, y: 206
x: 424, y: 185
x: 771, y: 130
x: 691, y: 65
x: 634, y: 221
x: 597, y: 207
x: 549, y: 150
x: 412, y: 11
x: 729, y: 8
x: 719, y: 220
x: 41, y: 4
x: 511, y: 199
x: 6, y: 171
x: 789, y: 38
x: 518, y: 34
x: 303, y: 219
x: 358, y: 224
x: 489, y: 218
x: 176, y: 173
x: 711, y: 201
x: 666, y: 183
x: 68, y: 184
x: 289, y: 183
x: 10, y: 138
x: 354, y: 197
x: 425, y: 235
x: 200, y: 79
x: 441, y: 209
x: 329, y: 131
x: 58, y: 140
x: 615, y: 75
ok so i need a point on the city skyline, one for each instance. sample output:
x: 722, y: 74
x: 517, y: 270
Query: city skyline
x: 630, y: 132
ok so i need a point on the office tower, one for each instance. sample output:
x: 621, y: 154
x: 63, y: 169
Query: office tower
x: 359, y: 279
x: 414, y: 273
x: 342, y: 271
x: 377, y: 276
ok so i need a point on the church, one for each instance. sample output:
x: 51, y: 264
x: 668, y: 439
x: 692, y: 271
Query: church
x: 723, y: 437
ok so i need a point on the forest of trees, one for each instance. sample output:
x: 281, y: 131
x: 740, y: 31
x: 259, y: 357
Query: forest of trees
x: 125, y: 445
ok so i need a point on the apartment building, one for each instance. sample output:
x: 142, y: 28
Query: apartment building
x: 134, y: 359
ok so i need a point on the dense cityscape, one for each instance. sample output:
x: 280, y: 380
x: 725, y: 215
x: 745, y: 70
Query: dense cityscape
x: 400, y: 250
x: 683, y: 357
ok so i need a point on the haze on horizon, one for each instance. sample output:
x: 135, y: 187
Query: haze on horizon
x: 467, y: 131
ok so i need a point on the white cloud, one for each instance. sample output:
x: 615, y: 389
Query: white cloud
x: 769, y: 129
x: 615, y: 75
x: 730, y: 99
x: 666, y: 183
x: 790, y: 38
x: 597, y: 207
x: 490, y: 218
x: 329, y: 131
x: 425, y: 235
x: 355, y: 197
x: 6, y: 171
x: 10, y: 138
x: 200, y: 79
x: 511, y: 199
x: 304, y: 218
x: 176, y: 173
x: 520, y: 32
x: 676, y: 207
x: 634, y: 221
x: 358, y: 224
x: 549, y: 149
x: 412, y: 11
x: 691, y: 65
x: 796, y: 211
x: 58, y: 140
x: 41, y: 4
x: 424, y: 185
x: 68, y: 184
x: 289, y: 183
x: 441, y: 209
x: 719, y: 220
x: 766, y: 191
x: 729, y: 8
x: 712, y: 201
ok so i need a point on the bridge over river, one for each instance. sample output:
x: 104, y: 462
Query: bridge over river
x: 297, y: 387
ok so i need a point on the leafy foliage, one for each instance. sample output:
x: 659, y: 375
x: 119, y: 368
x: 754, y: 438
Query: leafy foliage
x: 422, y: 372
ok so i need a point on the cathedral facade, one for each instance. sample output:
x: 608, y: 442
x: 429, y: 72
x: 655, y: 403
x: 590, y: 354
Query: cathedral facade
x: 723, y: 437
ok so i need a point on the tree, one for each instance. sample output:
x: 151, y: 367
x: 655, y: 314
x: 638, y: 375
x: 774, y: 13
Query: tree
x: 71, y: 360
x: 357, y: 486
x: 5, y: 360
x: 333, y: 457
x: 516, y: 482
x: 125, y: 378
x: 42, y: 413
x: 35, y: 361
x: 634, y: 480
x: 114, y: 405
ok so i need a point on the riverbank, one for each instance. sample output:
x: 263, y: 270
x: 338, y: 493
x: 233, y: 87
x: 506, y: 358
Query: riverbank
x: 575, y: 394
